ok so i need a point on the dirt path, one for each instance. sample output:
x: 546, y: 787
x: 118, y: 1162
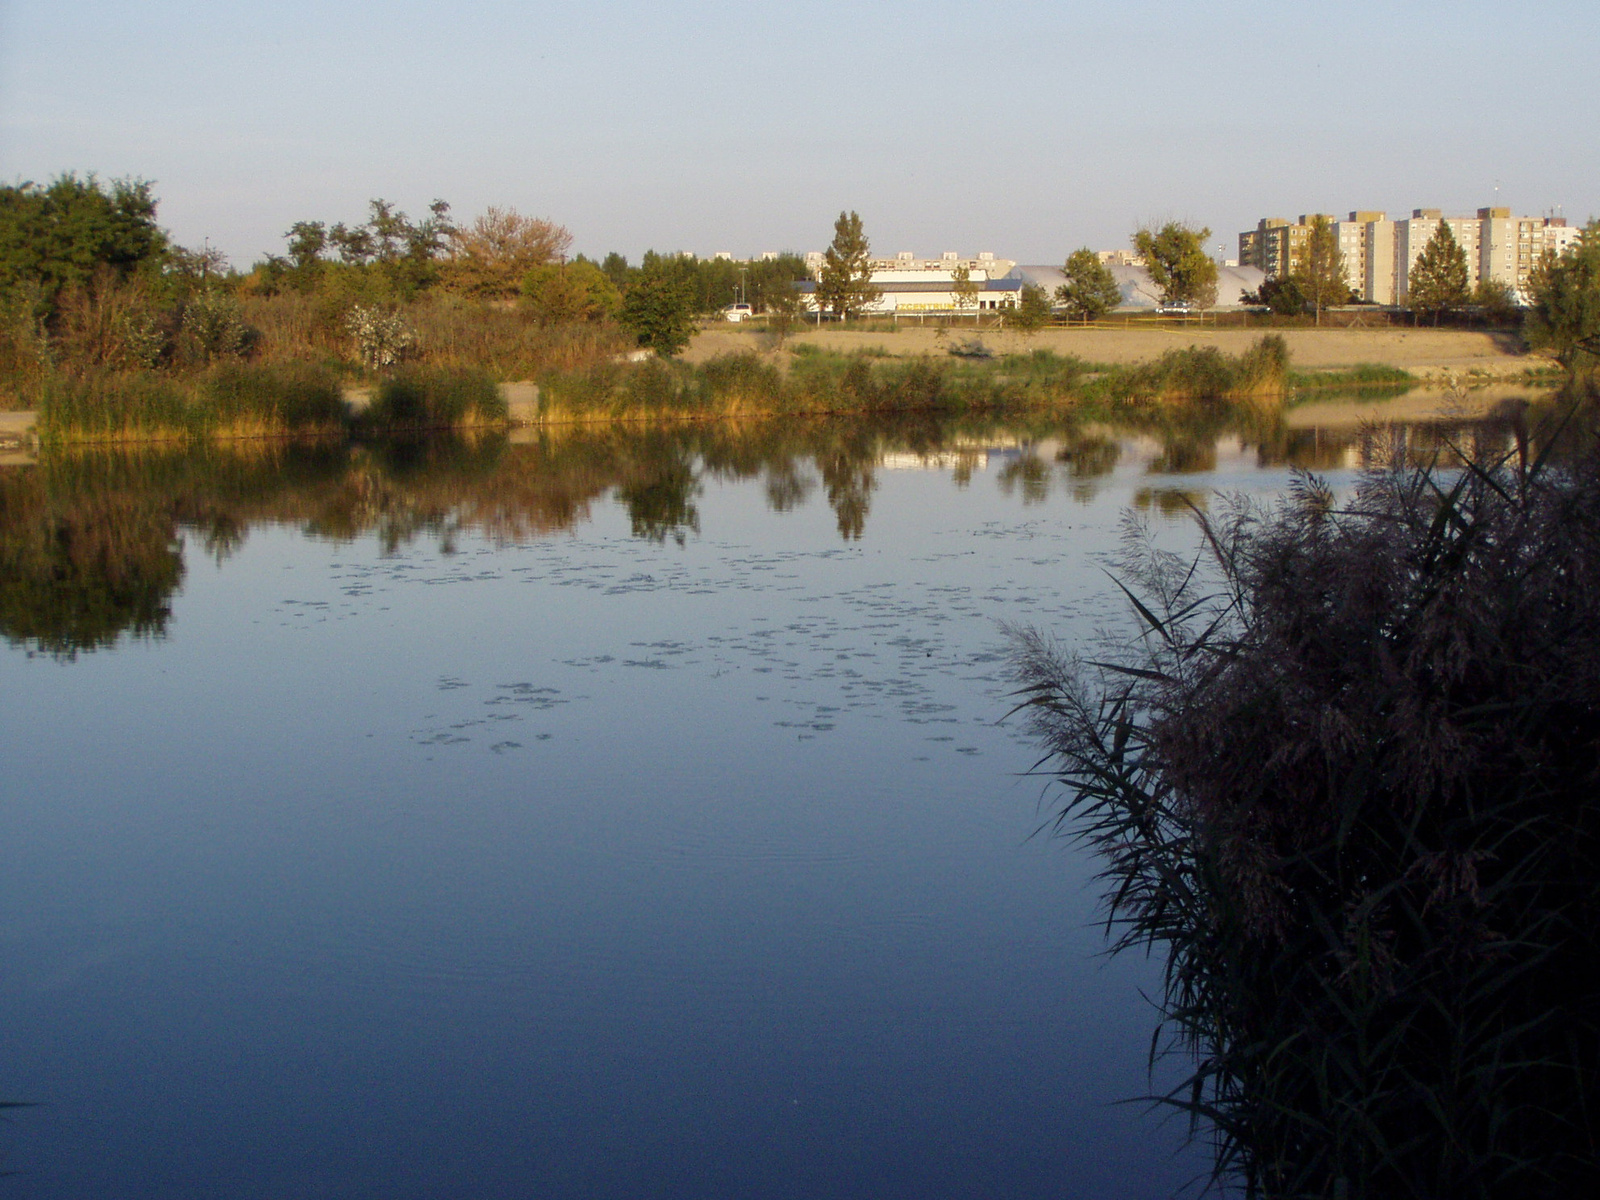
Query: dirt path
x: 1435, y: 352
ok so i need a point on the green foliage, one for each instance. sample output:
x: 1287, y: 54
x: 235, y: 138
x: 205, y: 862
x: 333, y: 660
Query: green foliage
x: 212, y: 326
x: 1282, y: 297
x: 1319, y: 275
x: 786, y: 309
x: 1438, y: 280
x: 1032, y: 312
x: 57, y: 236
x: 658, y: 308
x: 293, y: 398
x: 845, y: 285
x: 419, y: 398
x: 561, y: 293
x: 1090, y: 290
x: 1344, y: 782
x: 1495, y: 299
x: 963, y: 290
x: 1175, y: 256
x: 1564, y: 317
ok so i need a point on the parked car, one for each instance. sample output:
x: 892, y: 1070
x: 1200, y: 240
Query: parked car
x: 738, y: 312
x: 1177, y: 308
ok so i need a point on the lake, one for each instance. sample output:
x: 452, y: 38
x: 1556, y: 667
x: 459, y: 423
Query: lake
x: 612, y: 813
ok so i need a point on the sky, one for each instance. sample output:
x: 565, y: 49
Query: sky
x: 1023, y: 128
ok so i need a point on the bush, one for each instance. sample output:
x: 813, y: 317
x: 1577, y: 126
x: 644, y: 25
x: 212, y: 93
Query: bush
x: 435, y: 398
x: 276, y: 398
x: 1348, y: 786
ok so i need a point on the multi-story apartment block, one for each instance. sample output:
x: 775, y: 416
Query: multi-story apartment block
x: 1275, y: 246
x: 1379, y: 253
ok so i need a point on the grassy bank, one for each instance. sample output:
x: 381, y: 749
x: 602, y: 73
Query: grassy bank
x: 820, y: 382
x: 254, y: 401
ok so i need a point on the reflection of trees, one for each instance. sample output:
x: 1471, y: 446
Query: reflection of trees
x: 1182, y: 454
x: 91, y: 545
x: 1169, y: 502
x: 660, y: 501
x: 77, y: 575
x: 787, y: 486
x: 1031, y: 472
x: 1089, y: 455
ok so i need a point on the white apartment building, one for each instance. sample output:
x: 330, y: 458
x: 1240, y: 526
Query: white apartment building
x: 1379, y: 253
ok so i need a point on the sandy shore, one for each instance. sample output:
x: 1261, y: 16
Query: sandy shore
x: 1427, y: 352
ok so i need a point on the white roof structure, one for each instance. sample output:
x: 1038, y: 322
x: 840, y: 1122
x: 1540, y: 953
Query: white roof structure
x: 1138, y: 293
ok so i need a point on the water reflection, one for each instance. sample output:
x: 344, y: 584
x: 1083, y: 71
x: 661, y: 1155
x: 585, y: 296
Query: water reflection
x: 91, y: 544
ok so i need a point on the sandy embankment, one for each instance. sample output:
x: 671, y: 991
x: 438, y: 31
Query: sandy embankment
x: 1424, y: 352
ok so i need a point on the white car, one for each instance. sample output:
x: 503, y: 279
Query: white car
x: 738, y: 312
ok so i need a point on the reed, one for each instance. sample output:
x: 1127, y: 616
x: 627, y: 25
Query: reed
x: 422, y: 398
x: 1344, y: 781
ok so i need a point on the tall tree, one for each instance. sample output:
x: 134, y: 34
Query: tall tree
x: 1175, y: 256
x: 1564, y: 317
x: 1320, y: 272
x: 963, y: 290
x: 659, y: 306
x: 490, y: 257
x: 1090, y: 290
x: 1438, y: 280
x: 61, y: 235
x: 845, y: 285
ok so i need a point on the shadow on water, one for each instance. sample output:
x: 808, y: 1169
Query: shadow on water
x: 92, y: 544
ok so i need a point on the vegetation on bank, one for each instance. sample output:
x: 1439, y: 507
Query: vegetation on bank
x: 821, y: 382
x: 1344, y: 781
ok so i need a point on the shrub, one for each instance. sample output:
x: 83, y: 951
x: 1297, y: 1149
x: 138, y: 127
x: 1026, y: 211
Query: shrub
x: 274, y: 398
x: 1348, y: 786
x: 435, y: 398
x: 382, y: 337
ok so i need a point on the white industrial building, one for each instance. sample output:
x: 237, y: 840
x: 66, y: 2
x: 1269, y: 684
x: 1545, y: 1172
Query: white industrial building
x: 912, y: 286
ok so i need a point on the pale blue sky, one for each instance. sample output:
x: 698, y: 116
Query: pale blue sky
x: 1019, y: 127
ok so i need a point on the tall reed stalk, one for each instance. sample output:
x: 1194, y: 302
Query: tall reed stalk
x: 1346, y: 780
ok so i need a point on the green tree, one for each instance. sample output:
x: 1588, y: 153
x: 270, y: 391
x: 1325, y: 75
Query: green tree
x: 558, y: 293
x: 61, y: 235
x: 1320, y: 272
x: 1175, y: 256
x: 785, y: 308
x: 659, y: 307
x: 1438, y: 280
x: 1564, y: 317
x: 1032, y: 312
x: 963, y: 290
x: 845, y: 285
x: 1091, y: 290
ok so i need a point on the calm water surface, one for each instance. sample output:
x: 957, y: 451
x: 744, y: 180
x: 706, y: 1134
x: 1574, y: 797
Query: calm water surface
x: 624, y: 815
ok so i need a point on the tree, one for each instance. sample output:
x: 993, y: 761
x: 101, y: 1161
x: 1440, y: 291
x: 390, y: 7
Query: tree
x: 659, y: 307
x: 560, y: 293
x: 1032, y: 312
x: 1282, y: 296
x: 845, y: 285
x: 1320, y: 273
x: 1564, y: 317
x: 1438, y: 280
x: 1175, y: 256
x: 1495, y: 299
x: 963, y: 290
x: 490, y: 257
x: 1091, y: 290
x: 785, y: 307
x: 61, y: 235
